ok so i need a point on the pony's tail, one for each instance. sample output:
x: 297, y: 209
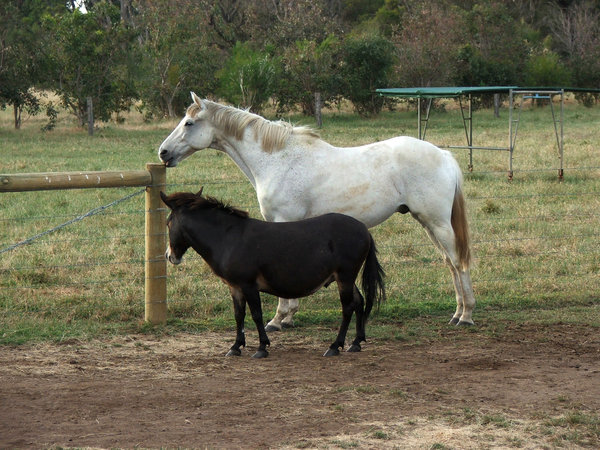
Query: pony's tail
x: 372, y: 280
x: 461, y: 228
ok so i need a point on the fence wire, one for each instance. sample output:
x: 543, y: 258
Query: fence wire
x: 69, y: 222
x: 427, y: 259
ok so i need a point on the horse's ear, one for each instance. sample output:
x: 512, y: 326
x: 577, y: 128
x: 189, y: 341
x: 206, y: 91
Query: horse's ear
x: 197, y: 100
x: 165, y: 199
x: 199, y: 193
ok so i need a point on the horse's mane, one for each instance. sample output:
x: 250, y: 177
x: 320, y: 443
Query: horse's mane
x: 193, y: 202
x: 233, y: 121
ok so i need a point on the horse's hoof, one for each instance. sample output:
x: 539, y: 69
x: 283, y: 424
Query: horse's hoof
x: 260, y: 354
x: 464, y: 323
x: 271, y: 328
x: 332, y: 352
x: 234, y: 352
x: 354, y: 348
x: 287, y: 325
x: 453, y: 321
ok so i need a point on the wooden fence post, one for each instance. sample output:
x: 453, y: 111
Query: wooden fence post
x: 156, y: 242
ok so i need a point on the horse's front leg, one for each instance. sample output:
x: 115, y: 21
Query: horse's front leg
x: 284, y: 317
x: 239, y: 307
x: 253, y: 298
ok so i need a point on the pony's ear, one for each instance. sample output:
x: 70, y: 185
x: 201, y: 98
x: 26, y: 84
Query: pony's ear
x: 165, y: 199
x: 199, y: 193
x: 197, y: 100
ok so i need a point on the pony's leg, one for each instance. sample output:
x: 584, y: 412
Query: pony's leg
x: 443, y: 238
x: 239, y: 307
x: 253, y: 299
x: 348, y: 307
x: 359, y: 309
x: 284, y: 317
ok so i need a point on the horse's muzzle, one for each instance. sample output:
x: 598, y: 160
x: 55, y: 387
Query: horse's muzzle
x: 171, y: 257
x: 164, y: 156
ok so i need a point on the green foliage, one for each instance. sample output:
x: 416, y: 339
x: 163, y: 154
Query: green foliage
x: 496, y: 51
x: 89, y: 53
x: 419, y: 48
x: 23, y: 57
x: 309, y: 67
x: 546, y: 69
x: 175, y: 58
x: 249, y: 78
x: 367, y: 63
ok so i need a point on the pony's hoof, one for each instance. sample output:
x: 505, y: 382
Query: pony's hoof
x: 332, y: 352
x: 287, y: 325
x: 270, y: 328
x: 260, y: 354
x: 234, y: 352
x: 354, y: 348
x: 453, y: 321
x: 464, y: 323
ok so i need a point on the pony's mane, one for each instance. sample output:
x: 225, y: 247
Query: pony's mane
x: 193, y: 202
x: 233, y: 121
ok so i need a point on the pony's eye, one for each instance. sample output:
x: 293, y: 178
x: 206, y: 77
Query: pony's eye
x: 189, y: 123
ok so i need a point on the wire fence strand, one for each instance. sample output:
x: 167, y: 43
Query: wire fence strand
x: 70, y: 222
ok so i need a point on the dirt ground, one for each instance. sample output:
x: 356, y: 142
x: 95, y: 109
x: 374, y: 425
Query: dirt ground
x: 534, y: 387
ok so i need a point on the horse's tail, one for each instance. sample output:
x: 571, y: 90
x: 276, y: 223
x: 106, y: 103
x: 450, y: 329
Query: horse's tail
x: 461, y: 227
x: 372, y: 279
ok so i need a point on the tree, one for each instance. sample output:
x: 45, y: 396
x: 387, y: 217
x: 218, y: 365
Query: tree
x: 310, y: 68
x: 546, y: 69
x: 281, y: 23
x: 496, y: 50
x: 22, y: 54
x: 367, y: 63
x: 577, y: 37
x: 89, y: 59
x: 423, y: 57
x: 177, y: 56
x: 249, y: 78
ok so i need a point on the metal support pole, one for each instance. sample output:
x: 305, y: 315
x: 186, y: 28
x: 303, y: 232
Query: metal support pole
x: 468, y: 127
x: 419, y: 117
x: 156, y: 242
x: 562, y: 142
x: 510, y: 134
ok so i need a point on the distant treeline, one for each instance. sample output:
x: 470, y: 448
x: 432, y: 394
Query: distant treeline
x: 251, y: 52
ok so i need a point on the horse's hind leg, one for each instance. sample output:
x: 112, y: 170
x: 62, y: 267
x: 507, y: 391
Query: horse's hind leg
x: 284, y: 317
x: 348, y: 307
x: 239, y: 306
x: 359, y: 309
x: 253, y: 298
x: 443, y: 238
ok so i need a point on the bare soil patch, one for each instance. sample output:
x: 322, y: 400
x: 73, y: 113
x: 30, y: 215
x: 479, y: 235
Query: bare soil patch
x: 463, y: 389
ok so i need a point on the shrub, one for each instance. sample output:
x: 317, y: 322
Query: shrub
x: 367, y: 63
x: 249, y: 78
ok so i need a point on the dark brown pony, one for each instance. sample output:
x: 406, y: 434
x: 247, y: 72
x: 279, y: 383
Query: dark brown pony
x: 289, y: 260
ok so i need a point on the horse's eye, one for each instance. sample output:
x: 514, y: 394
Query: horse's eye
x: 189, y: 123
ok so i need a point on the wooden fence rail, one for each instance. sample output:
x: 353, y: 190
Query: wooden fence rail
x: 154, y: 179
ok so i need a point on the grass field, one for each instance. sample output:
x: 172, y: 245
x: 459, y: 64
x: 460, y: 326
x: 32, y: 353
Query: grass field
x: 536, y: 248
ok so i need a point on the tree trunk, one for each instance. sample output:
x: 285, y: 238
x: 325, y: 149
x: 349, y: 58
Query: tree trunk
x: 90, y: 116
x: 318, y: 107
x: 17, y: 112
x: 496, y: 105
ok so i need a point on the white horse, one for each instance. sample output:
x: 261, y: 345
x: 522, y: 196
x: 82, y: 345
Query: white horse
x: 297, y: 175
